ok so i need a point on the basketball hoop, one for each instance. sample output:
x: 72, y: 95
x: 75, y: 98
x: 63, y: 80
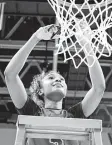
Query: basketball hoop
x: 69, y: 16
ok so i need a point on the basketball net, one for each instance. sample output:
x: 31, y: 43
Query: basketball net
x: 70, y: 15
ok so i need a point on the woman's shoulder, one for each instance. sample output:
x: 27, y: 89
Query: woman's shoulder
x: 29, y: 108
x: 76, y: 111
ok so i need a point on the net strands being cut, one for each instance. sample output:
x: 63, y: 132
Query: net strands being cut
x: 71, y: 17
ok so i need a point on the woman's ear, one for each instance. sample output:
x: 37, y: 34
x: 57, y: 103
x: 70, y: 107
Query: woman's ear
x: 41, y: 92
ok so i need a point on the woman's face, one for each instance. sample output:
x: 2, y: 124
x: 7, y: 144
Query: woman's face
x: 54, y: 87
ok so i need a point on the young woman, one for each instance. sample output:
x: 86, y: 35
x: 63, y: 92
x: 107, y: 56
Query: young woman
x: 51, y: 86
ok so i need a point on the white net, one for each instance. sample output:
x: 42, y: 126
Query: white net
x: 97, y: 19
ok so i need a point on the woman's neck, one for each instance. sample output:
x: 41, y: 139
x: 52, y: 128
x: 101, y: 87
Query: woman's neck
x: 53, y: 104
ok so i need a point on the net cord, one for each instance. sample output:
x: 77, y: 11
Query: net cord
x: 66, y: 32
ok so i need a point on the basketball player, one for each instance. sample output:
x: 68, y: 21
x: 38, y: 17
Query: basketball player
x: 49, y: 89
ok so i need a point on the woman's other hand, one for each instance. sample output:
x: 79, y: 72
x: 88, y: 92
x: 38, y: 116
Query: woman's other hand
x: 48, y: 32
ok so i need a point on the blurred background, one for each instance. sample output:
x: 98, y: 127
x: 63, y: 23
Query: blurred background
x: 18, y: 21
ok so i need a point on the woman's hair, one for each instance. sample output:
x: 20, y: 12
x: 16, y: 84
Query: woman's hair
x: 35, y: 87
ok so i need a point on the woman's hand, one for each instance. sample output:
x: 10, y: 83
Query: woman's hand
x: 83, y: 32
x: 48, y: 32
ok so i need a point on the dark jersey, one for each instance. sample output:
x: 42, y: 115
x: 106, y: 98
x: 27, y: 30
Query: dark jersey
x: 31, y: 108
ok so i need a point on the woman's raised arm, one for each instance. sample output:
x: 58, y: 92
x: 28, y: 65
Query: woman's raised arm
x: 14, y: 84
x: 95, y: 94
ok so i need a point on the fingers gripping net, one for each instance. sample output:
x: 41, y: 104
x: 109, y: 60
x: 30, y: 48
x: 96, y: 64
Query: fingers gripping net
x: 72, y: 33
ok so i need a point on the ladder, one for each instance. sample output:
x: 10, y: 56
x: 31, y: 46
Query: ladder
x: 58, y: 128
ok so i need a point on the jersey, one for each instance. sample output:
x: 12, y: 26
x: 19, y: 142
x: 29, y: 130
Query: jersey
x: 31, y: 108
